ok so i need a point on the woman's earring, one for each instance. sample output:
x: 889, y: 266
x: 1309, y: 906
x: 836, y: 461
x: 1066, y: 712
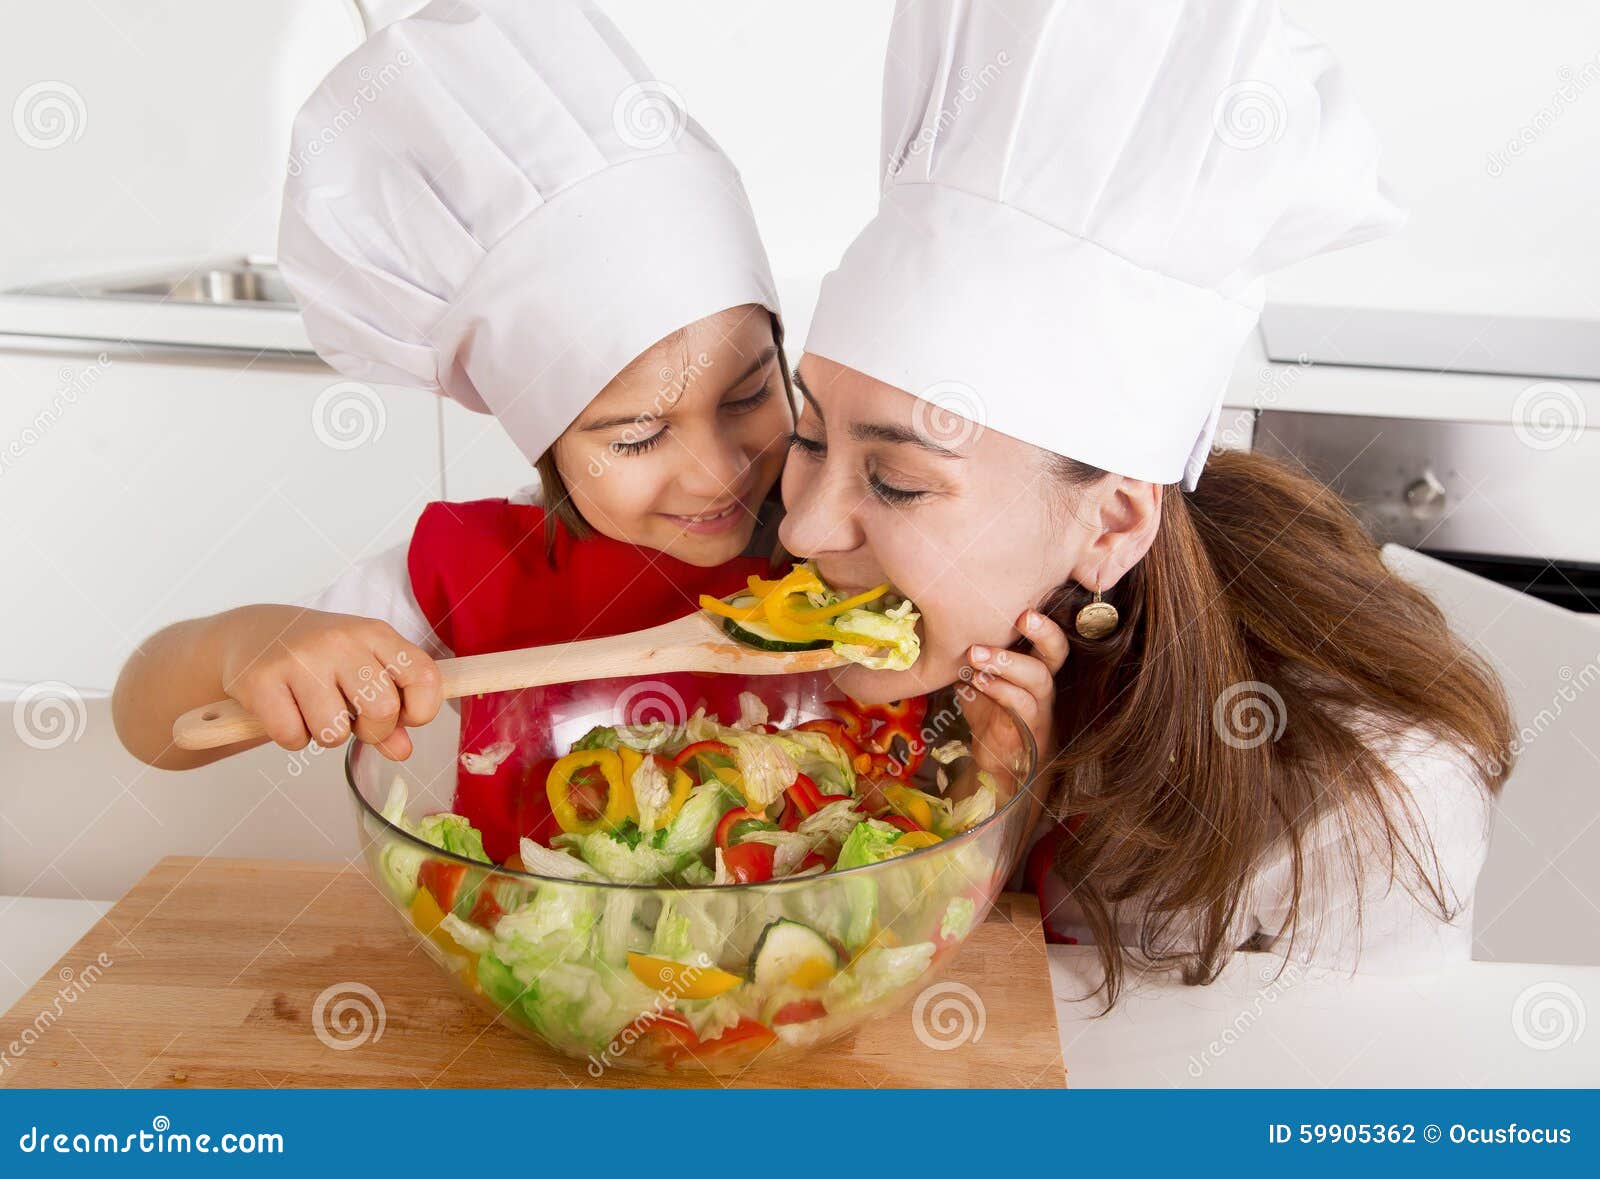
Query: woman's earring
x: 1097, y: 619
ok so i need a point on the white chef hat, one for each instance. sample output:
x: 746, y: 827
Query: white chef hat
x: 494, y: 199
x: 1078, y: 204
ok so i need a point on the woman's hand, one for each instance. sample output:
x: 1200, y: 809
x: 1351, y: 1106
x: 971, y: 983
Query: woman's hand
x: 315, y: 676
x: 1024, y: 683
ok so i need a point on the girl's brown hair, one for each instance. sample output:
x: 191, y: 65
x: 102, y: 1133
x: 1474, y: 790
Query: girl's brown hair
x: 559, y: 508
x: 1260, y: 581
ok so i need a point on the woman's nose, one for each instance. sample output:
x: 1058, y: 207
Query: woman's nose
x: 818, y: 515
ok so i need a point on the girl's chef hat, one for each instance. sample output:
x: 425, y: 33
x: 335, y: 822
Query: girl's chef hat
x: 495, y: 200
x: 1079, y: 202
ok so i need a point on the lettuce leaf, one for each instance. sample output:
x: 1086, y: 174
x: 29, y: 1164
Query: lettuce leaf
x: 895, y: 644
x: 696, y: 823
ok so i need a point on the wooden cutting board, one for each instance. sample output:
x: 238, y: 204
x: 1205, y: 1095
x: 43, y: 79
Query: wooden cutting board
x: 206, y: 975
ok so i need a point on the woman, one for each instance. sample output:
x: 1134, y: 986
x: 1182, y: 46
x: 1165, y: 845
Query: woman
x: 1012, y: 382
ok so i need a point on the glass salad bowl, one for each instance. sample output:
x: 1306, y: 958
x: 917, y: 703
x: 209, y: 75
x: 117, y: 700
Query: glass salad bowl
x: 676, y: 978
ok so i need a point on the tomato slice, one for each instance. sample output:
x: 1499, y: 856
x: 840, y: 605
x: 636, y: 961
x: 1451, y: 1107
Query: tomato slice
x: 745, y: 1041
x: 666, y: 1039
x: 749, y: 863
x: 485, y: 910
x: 443, y: 879
x: 799, y: 1011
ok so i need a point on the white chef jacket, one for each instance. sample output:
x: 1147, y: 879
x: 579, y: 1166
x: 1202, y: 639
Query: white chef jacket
x: 1382, y: 928
x: 380, y: 587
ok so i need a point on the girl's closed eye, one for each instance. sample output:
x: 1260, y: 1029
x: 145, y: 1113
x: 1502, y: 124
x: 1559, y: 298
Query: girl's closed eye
x: 639, y: 446
x: 749, y: 404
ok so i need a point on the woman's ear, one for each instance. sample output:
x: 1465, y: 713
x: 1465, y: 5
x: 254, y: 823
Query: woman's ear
x: 1126, y: 513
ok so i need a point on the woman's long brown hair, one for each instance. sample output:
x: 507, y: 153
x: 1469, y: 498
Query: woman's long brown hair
x: 1259, y: 581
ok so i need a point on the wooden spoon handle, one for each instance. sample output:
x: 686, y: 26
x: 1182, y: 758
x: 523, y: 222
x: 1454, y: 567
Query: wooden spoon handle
x: 688, y: 644
x: 226, y: 722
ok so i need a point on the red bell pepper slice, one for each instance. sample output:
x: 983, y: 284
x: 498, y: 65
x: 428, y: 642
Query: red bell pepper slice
x: 724, y: 832
x: 875, y: 727
x: 815, y: 859
x: 684, y: 759
x: 749, y: 863
x: 860, y: 759
x: 696, y: 748
x: 803, y: 792
x: 901, y: 822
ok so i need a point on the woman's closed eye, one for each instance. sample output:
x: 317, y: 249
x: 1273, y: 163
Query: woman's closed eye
x: 812, y: 447
x: 890, y: 494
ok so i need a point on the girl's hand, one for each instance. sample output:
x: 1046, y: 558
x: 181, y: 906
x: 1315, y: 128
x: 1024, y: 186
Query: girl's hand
x: 313, y: 676
x: 1024, y: 683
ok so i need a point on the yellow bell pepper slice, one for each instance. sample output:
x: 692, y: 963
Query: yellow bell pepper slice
x: 683, y: 979
x: 812, y: 973
x: 911, y: 803
x: 913, y: 841
x: 682, y: 784
x: 566, y: 772
x: 428, y: 917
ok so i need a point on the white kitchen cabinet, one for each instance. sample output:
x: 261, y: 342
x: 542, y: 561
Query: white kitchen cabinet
x: 479, y: 459
x: 134, y: 493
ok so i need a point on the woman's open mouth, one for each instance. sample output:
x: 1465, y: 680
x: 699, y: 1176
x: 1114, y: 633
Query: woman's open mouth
x: 709, y: 523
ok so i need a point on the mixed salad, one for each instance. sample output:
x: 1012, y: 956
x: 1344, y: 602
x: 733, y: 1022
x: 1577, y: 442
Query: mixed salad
x: 641, y: 976
x: 800, y: 612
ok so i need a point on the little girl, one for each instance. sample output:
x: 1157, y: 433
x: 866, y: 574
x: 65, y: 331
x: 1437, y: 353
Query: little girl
x: 503, y: 207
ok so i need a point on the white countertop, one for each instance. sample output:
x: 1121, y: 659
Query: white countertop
x: 1482, y: 1023
x: 34, y: 933
x: 1499, y: 1024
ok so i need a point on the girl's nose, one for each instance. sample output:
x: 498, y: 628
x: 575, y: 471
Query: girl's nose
x: 712, y: 469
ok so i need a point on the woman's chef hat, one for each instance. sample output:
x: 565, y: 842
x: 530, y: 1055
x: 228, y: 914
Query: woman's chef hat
x: 494, y: 199
x: 1079, y: 202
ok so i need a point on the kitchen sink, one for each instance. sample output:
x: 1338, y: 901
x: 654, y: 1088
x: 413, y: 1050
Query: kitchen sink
x: 228, y: 282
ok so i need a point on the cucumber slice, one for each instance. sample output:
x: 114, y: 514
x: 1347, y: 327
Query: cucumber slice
x: 762, y: 637
x: 785, y: 947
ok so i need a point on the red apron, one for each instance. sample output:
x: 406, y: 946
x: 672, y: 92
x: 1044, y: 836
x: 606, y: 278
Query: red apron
x: 482, y: 575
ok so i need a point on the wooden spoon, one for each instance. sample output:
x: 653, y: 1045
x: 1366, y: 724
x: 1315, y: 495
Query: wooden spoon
x: 693, y: 643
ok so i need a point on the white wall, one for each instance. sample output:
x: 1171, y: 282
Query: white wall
x: 176, y: 126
